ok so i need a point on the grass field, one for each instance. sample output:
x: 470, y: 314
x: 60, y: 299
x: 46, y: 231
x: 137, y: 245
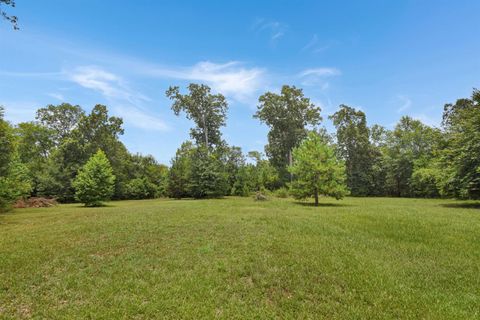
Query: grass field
x: 375, y: 258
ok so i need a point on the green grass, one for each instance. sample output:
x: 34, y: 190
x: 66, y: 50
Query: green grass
x: 375, y: 258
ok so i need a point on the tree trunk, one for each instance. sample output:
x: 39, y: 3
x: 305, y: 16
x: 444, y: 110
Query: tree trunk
x: 316, y: 198
x: 290, y: 162
x: 205, y: 131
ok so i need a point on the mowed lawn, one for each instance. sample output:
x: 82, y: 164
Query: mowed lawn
x: 234, y: 258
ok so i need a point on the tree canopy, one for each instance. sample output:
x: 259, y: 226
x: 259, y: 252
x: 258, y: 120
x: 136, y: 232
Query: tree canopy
x: 48, y: 157
x: 208, y: 111
x: 354, y: 148
x: 288, y: 115
x: 316, y: 170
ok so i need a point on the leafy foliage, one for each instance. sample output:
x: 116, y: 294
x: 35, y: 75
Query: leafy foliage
x: 7, y: 146
x: 207, y: 110
x: 462, y: 126
x: 425, y: 183
x: 95, y: 181
x: 14, y: 178
x: 42, y: 158
x: 317, y: 171
x: 287, y: 115
x: 207, y: 177
x: 354, y: 148
x: 140, y: 188
x: 14, y: 185
x: 60, y: 120
x: 180, y: 170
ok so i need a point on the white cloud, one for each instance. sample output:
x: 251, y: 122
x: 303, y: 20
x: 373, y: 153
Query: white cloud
x: 312, y: 43
x: 108, y: 84
x: 140, y: 119
x: 406, y: 103
x: 318, y: 76
x: 275, y: 29
x: 320, y: 72
x: 57, y: 96
x: 428, y: 120
x: 314, y: 46
x: 125, y: 101
x: 21, y: 111
x: 231, y: 79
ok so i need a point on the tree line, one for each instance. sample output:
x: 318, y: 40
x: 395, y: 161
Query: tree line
x: 71, y: 155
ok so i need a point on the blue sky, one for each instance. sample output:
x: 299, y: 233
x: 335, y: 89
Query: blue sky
x: 388, y: 58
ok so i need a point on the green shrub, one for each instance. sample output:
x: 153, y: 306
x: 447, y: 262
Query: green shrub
x: 281, y: 193
x: 241, y: 185
x: 140, y: 188
x: 424, y: 183
x: 207, y: 178
x: 95, y: 181
x: 14, y: 186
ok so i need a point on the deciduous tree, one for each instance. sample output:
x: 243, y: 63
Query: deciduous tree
x: 180, y: 170
x: 61, y: 120
x: 461, y: 122
x: 208, y: 178
x: 354, y: 148
x: 288, y: 115
x: 208, y: 111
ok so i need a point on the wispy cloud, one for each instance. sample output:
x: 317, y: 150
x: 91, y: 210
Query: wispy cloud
x: 140, y: 119
x: 432, y: 121
x: 318, y: 76
x: 108, y: 84
x: 274, y: 29
x: 57, y: 96
x: 314, y: 45
x: 126, y: 101
x: 320, y: 72
x: 19, y: 111
x: 232, y: 79
x: 405, y: 102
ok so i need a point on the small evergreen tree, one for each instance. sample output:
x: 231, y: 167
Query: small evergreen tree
x: 95, y: 181
x: 316, y: 170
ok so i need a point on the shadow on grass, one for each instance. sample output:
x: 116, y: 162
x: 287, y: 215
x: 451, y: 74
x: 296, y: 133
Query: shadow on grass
x: 321, y: 204
x: 103, y: 205
x: 462, y: 205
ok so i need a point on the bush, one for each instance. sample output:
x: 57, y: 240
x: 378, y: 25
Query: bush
x: 281, y: 193
x: 207, y: 178
x: 95, y: 181
x: 424, y: 183
x: 14, y: 186
x: 241, y: 185
x: 140, y: 188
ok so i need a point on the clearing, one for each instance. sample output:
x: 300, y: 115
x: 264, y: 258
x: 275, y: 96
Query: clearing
x: 234, y: 258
